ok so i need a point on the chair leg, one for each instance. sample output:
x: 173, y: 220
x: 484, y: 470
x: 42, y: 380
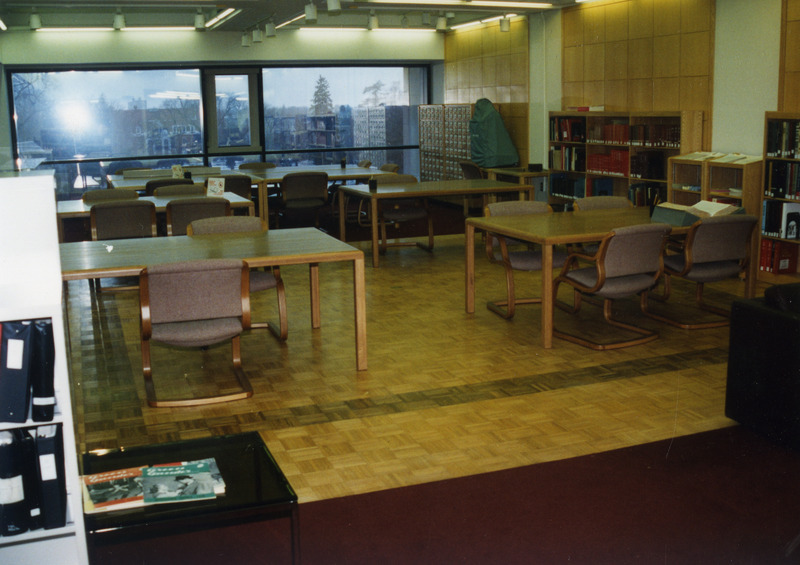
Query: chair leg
x: 246, y: 389
x: 646, y: 336
x: 281, y: 330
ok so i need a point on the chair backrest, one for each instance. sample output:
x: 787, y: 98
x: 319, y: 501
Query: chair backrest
x: 390, y: 167
x: 183, y: 211
x: 238, y: 184
x: 151, y: 185
x: 395, y: 179
x: 118, y: 167
x: 471, y: 170
x: 119, y: 219
x: 182, y: 189
x: 365, y: 163
x: 309, y: 185
x: 257, y: 165
x: 601, y: 203
x: 189, y: 291
x: 517, y: 208
x: 720, y: 238
x: 226, y: 224
x: 633, y: 250
x: 104, y: 194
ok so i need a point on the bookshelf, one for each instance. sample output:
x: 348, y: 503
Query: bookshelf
x: 30, y: 289
x: 620, y: 154
x: 729, y: 178
x: 780, y: 236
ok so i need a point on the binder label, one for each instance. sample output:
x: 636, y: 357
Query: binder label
x: 14, y: 358
x: 47, y: 467
x: 11, y: 490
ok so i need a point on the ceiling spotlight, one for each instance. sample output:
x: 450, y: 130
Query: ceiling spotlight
x: 119, y: 20
x: 199, y: 20
x: 258, y: 35
x: 505, y: 24
x: 246, y: 41
x: 35, y: 21
x: 404, y: 22
x: 441, y: 23
x: 373, y: 21
x: 334, y: 6
x: 311, y: 12
x: 426, y: 18
x: 269, y: 29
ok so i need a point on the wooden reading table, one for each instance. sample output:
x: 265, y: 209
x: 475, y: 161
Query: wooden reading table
x: 299, y: 246
x: 428, y: 189
x: 558, y: 229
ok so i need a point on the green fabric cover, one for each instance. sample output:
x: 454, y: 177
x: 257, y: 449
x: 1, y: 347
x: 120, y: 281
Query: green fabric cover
x: 491, y: 144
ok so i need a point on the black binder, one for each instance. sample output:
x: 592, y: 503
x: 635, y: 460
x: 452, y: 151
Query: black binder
x: 15, y: 348
x: 42, y: 361
x: 53, y: 488
x: 30, y: 477
x: 13, y: 507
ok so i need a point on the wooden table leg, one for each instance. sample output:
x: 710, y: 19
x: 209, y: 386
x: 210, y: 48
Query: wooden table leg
x: 547, y: 296
x: 342, y: 215
x: 313, y: 276
x: 360, y: 306
x: 373, y: 212
x: 469, y: 267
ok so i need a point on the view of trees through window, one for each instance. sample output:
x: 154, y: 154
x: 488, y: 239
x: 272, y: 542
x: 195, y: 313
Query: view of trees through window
x: 82, y: 122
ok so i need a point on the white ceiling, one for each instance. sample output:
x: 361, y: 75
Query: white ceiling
x: 253, y: 13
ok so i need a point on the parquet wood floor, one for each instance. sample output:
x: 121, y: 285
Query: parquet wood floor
x: 447, y: 394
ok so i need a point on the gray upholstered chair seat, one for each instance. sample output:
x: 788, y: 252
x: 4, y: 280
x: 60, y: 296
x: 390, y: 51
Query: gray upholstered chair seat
x: 703, y: 272
x: 616, y: 287
x: 197, y: 333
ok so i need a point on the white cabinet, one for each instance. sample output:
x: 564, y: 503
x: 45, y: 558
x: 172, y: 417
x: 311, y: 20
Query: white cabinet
x: 30, y: 289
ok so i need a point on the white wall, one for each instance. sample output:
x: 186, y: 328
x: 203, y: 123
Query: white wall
x: 746, y: 71
x: 544, y: 82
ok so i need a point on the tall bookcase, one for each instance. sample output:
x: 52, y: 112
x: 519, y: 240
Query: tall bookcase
x: 731, y: 178
x: 30, y: 289
x: 620, y: 154
x: 780, y: 232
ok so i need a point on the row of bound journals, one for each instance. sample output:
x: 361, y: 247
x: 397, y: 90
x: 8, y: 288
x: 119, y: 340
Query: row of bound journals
x: 33, y: 494
x: 27, y: 357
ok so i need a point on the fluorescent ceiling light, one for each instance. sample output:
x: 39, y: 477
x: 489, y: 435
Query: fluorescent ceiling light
x: 155, y: 28
x: 72, y: 29
x: 407, y: 29
x: 223, y: 16
x: 464, y: 4
x: 286, y: 23
x: 3, y: 26
x: 317, y: 28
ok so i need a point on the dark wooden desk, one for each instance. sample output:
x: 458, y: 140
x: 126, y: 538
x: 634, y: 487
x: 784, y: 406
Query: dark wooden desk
x: 127, y: 257
x: 428, y: 189
x: 255, y: 489
x: 548, y: 230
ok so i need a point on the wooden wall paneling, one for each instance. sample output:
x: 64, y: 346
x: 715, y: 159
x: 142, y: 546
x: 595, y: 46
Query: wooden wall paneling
x: 695, y: 92
x: 640, y: 95
x: 594, y: 25
x: 697, y: 15
x: 593, y: 93
x: 572, y: 94
x: 791, y: 86
x: 792, y: 46
x: 594, y: 62
x: 616, y: 21
x: 696, y: 52
x: 666, y: 56
x: 616, y: 60
x: 666, y: 94
x: 573, y: 64
x: 640, y: 19
x: 792, y: 10
x: 571, y: 28
x: 668, y: 19
x: 616, y: 95
x: 640, y: 58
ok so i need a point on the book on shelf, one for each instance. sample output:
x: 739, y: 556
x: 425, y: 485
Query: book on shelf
x: 125, y: 488
x: 784, y: 257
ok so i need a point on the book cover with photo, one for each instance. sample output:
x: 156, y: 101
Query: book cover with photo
x: 178, y: 483
x: 113, y: 490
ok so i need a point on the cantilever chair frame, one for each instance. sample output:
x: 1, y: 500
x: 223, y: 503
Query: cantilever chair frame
x: 207, y: 226
x: 685, y: 247
x: 422, y: 203
x: 507, y: 308
x: 598, y: 261
x: 246, y: 389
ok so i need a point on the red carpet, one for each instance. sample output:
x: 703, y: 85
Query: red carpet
x: 726, y: 496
